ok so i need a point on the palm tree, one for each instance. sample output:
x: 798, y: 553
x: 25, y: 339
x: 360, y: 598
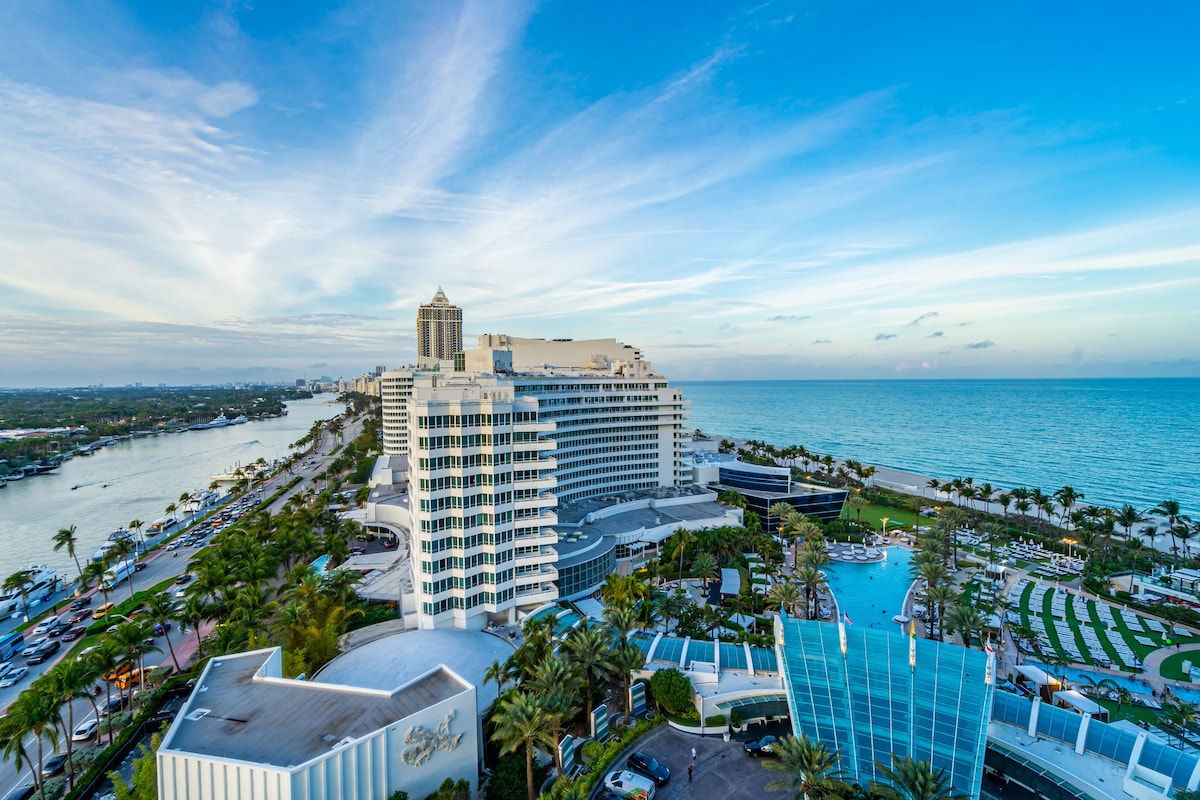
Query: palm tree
x: 68, y: 680
x: 587, y: 647
x: 66, y: 538
x: 121, y: 550
x: 622, y: 661
x: 965, y: 619
x: 1067, y: 497
x: 12, y: 740
x: 622, y: 619
x: 787, y: 595
x: 812, y: 582
x: 95, y: 574
x: 136, y: 525
x: 557, y: 682
x: 35, y: 712
x: 937, y: 597
x: 19, y: 582
x: 1127, y: 517
x: 162, y: 608
x: 684, y: 538
x: 522, y: 721
x: 811, y: 769
x: 704, y: 566
x: 909, y: 779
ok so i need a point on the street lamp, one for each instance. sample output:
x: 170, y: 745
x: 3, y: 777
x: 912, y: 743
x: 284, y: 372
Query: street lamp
x: 885, y: 522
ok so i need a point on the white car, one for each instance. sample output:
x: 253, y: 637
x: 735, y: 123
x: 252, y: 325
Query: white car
x: 11, y: 678
x: 33, y: 646
x: 85, y: 730
x: 629, y: 785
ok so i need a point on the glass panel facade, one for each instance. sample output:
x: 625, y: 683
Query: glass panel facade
x: 669, y: 651
x: 733, y: 656
x: 700, y: 650
x: 870, y: 702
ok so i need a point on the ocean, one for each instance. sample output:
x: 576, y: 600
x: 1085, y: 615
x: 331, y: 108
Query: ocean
x: 1115, y: 440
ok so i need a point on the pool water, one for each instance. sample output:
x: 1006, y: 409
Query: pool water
x: 321, y: 565
x: 871, y: 594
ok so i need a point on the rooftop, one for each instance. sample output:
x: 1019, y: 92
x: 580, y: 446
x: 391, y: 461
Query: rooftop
x: 242, y: 710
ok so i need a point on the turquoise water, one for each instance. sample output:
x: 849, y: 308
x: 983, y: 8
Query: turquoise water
x: 1117, y: 441
x: 871, y: 594
x: 321, y: 565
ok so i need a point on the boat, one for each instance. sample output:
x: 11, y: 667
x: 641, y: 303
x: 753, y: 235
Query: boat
x: 240, y: 419
x: 119, y: 534
x: 37, y: 578
x: 219, y: 421
x: 162, y: 525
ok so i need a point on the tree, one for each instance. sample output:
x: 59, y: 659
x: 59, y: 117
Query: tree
x: 811, y: 769
x: 144, y: 781
x: 684, y: 538
x: 909, y: 779
x: 622, y: 661
x: 938, y: 596
x: 521, y: 721
x: 1127, y: 517
x: 787, y: 596
x: 66, y: 538
x: 18, y: 582
x: 704, y: 566
x: 965, y: 619
x: 163, y: 609
x: 35, y: 712
x: 587, y: 647
x: 671, y: 689
x: 1067, y: 497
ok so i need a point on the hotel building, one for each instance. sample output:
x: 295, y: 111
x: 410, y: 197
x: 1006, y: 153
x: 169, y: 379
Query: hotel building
x: 494, y: 447
x: 439, y: 329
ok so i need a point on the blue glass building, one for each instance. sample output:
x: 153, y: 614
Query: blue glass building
x: 870, y: 693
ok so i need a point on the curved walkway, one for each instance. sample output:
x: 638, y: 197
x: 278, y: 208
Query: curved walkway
x: 1153, y: 664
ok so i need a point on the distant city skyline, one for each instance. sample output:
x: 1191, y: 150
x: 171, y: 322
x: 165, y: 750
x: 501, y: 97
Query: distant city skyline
x: 195, y: 193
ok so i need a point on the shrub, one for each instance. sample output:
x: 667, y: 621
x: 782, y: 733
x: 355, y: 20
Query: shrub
x: 508, y: 778
x: 715, y: 721
x: 592, y: 750
x: 672, y: 690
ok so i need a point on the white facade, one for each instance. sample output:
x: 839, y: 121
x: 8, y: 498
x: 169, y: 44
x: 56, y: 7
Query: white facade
x: 248, y: 732
x: 483, y: 485
x: 395, y: 390
x: 480, y: 500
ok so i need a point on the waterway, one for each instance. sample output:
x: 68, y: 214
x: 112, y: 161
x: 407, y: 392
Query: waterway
x: 135, y: 479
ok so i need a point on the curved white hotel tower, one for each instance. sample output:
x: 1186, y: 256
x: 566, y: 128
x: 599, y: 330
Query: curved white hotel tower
x: 495, y: 446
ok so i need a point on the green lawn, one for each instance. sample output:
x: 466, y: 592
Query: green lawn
x: 872, y: 517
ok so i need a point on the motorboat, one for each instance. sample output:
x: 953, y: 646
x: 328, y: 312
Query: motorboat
x: 240, y: 419
x: 37, y: 578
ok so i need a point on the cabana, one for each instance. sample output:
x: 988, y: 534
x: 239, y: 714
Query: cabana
x: 1042, y: 683
x: 1073, y: 700
x: 731, y: 582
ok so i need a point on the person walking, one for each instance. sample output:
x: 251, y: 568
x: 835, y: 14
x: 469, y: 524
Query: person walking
x: 689, y: 773
x: 693, y: 755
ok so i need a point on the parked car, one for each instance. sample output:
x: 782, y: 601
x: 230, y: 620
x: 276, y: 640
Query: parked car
x: 74, y: 633
x: 760, y: 747
x: 102, y: 610
x: 44, y: 652
x: 649, y: 766
x: 629, y: 785
x: 80, y: 602
x: 85, y: 730
x: 13, y: 677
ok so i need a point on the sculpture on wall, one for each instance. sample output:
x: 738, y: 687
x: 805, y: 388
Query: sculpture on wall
x: 426, y: 741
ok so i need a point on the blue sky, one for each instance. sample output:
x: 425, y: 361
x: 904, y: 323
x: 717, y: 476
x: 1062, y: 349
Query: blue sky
x: 194, y: 192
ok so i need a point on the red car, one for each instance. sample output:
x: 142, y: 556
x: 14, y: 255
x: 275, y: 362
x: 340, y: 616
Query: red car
x: 80, y: 616
x: 74, y: 633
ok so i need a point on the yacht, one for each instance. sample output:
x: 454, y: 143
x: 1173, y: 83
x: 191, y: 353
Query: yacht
x: 38, y: 578
x: 240, y: 419
x: 219, y: 421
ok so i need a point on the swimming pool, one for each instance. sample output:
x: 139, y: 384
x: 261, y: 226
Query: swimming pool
x: 321, y: 565
x: 871, y: 594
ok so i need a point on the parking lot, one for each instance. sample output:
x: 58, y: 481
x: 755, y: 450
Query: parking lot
x: 721, y: 770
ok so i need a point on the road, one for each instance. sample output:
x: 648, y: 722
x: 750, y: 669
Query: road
x: 161, y: 564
